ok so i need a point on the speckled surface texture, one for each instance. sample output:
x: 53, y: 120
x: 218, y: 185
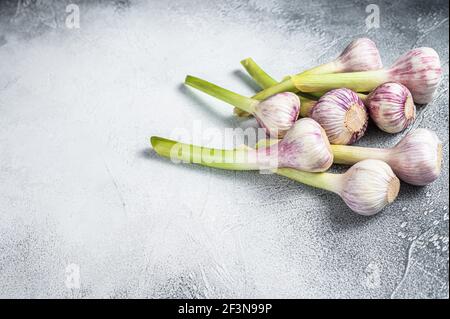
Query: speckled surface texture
x: 80, y: 187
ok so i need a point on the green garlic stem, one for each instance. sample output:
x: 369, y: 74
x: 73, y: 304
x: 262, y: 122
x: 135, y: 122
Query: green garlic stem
x: 357, y: 81
x: 236, y: 159
x: 306, y: 106
x: 330, y: 67
x: 363, y: 96
x: 244, y: 103
x: 315, y: 96
x: 266, y: 143
x: 226, y: 159
x: 328, y: 181
x: 263, y: 79
x: 349, y: 155
x: 285, y: 86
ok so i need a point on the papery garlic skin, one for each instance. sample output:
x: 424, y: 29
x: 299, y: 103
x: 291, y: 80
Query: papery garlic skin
x: 278, y: 113
x: 368, y: 186
x: 391, y: 107
x: 305, y: 147
x: 342, y: 115
x: 420, y: 71
x: 417, y: 158
x: 360, y: 55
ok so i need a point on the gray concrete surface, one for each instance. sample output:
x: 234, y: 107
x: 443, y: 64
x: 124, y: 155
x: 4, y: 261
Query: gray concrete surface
x: 88, y: 210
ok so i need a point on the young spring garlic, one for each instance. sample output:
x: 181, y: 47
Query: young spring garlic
x: 416, y: 159
x: 276, y: 114
x: 360, y: 55
x: 342, y: 115
x: 391, y: 107
x: 419, y: 70
x: 304, y: 147
x: 367, y: 187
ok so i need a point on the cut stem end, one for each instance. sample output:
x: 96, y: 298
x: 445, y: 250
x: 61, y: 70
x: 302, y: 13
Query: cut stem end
x: 393, y: 189
x: 409, y: 108
x: 355, y: 118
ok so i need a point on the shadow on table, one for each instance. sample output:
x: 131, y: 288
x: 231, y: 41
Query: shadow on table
x: 208, y: 108
x: 335, y: 208
x: 244, y: 77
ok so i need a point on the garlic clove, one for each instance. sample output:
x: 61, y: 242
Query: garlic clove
x: 391, y: 107
x: 360, y: 55
x: 420, y: 71
x: 305, y: 147
x: 417, y: 158
x: 342, y: 115
x: 368, y: 186
x: 278, y: 113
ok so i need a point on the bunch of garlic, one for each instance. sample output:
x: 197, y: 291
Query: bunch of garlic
x: 336, y: 115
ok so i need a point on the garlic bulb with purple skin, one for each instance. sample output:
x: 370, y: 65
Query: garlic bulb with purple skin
x: 367, y: 187
x: 419, y: 70
x: 391, y: 107
x: 370, y: 189
x: 304, y: 147
x: 360, y: 55
x: 276, y: 114
x: 416, y: 159
x: 342, y: 115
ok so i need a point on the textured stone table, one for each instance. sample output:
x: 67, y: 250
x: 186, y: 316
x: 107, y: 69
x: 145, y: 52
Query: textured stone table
x: 88, y: 210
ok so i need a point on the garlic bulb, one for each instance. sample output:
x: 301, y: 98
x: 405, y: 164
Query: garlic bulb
x: 416, y: 159
x: 391, y: 107
x: 367, y: 187
x: 420, y: 71
x: 276, y: 114
x: 360, y: 55
x: 342, y: 115
x: 305, y: 146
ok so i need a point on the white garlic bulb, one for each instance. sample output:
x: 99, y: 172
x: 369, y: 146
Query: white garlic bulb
x: 391, y: 107
x: 342, y: 115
